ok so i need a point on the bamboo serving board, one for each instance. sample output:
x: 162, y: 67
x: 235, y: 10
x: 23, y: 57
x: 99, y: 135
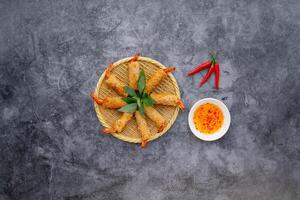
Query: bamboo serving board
x: 108, y: 116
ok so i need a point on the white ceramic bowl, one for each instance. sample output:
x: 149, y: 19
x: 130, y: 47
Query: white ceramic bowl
x: 221, y: 131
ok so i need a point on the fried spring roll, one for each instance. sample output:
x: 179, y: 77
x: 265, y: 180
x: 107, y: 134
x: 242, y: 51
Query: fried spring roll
x: 114, y: 83
x: 109, y: 102
x: 155, y: 80
x: 156, y: 117
x: 167, y: 100
x: 134, y: 71
x: 133, y: 74
x: 143, y: 128
x: 120, y: 124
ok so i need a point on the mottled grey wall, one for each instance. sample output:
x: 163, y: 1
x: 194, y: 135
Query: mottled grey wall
x: 53, y: 52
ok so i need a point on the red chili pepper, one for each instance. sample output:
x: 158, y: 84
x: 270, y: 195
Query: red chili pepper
x: 217, y: 75
x: 208, y: 74
x: 204, y: 65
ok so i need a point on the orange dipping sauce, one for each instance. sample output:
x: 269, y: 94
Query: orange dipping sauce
x: 208, y: 118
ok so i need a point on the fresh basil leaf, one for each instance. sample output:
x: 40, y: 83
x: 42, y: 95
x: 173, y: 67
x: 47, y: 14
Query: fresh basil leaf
x: 129, y: 100
x: 140, y: 106
x: 145, y: 94
x: 139, y: 103
x: 140, y: 95
x: 129, y: 108
x: 141, y: 109
x: 141, y: 82
x: 148, y: 101
x: 130, y: 91
x: 154, y: 102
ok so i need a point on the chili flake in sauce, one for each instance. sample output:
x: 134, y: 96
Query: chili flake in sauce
x: 208, y: 118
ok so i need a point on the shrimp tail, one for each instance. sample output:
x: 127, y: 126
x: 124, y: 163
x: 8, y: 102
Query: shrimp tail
x: 171, y: 69
x: 161, y: 128
x: 96, y: 99
x: 135, y: 57
x: 108, y: 70
x: 143, y: 144
x: 108, y: 130
x: 180, y: 105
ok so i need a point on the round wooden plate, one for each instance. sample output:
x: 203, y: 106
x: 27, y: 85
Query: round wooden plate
x: 108, y: 116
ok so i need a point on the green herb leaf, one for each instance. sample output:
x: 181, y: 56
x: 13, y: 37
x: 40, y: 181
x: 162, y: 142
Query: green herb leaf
x: 129, y: 108
x: 139, y: 103
x: 154, y: 102
x: 129, y: 100
x: 141, y: 110
x: 130, y: 91
x: 148, y: 101
x: 140, y: 95
x: 140, y: 106
x: 145, y: 94
x: 141, y: 82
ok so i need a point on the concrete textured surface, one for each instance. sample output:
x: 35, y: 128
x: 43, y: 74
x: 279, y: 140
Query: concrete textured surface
x: 53, y: 52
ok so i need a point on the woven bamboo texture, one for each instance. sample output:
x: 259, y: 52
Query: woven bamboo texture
x: 108, y: 116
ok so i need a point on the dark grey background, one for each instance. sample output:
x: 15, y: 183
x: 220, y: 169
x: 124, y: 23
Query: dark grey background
x: 53, y: 52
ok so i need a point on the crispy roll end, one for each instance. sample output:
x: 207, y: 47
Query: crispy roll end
x: 180, y: 105
x: 108, y: 70
x: 135, y: 57
x: 108, y: 130
x: 96, y: 99
x: 167, y: 70
x: 143, y: 144
x: 161, y: 128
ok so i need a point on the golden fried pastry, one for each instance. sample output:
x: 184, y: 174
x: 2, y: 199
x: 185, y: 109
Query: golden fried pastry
x: 109, y: 102
x: 157, y: 77
x: 120, y: 124
x: 167, y: 100
x: 143, y: 128
x: 156, y: 117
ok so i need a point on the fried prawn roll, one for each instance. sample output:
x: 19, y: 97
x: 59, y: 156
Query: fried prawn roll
x: 133, y: 72
x: 113, y: 82
x: 120, y: 124
x: 167, y: 100
x: 109, y: 102
x: 156, y: 117
x: 157, y: 77
x: 143, y: 128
